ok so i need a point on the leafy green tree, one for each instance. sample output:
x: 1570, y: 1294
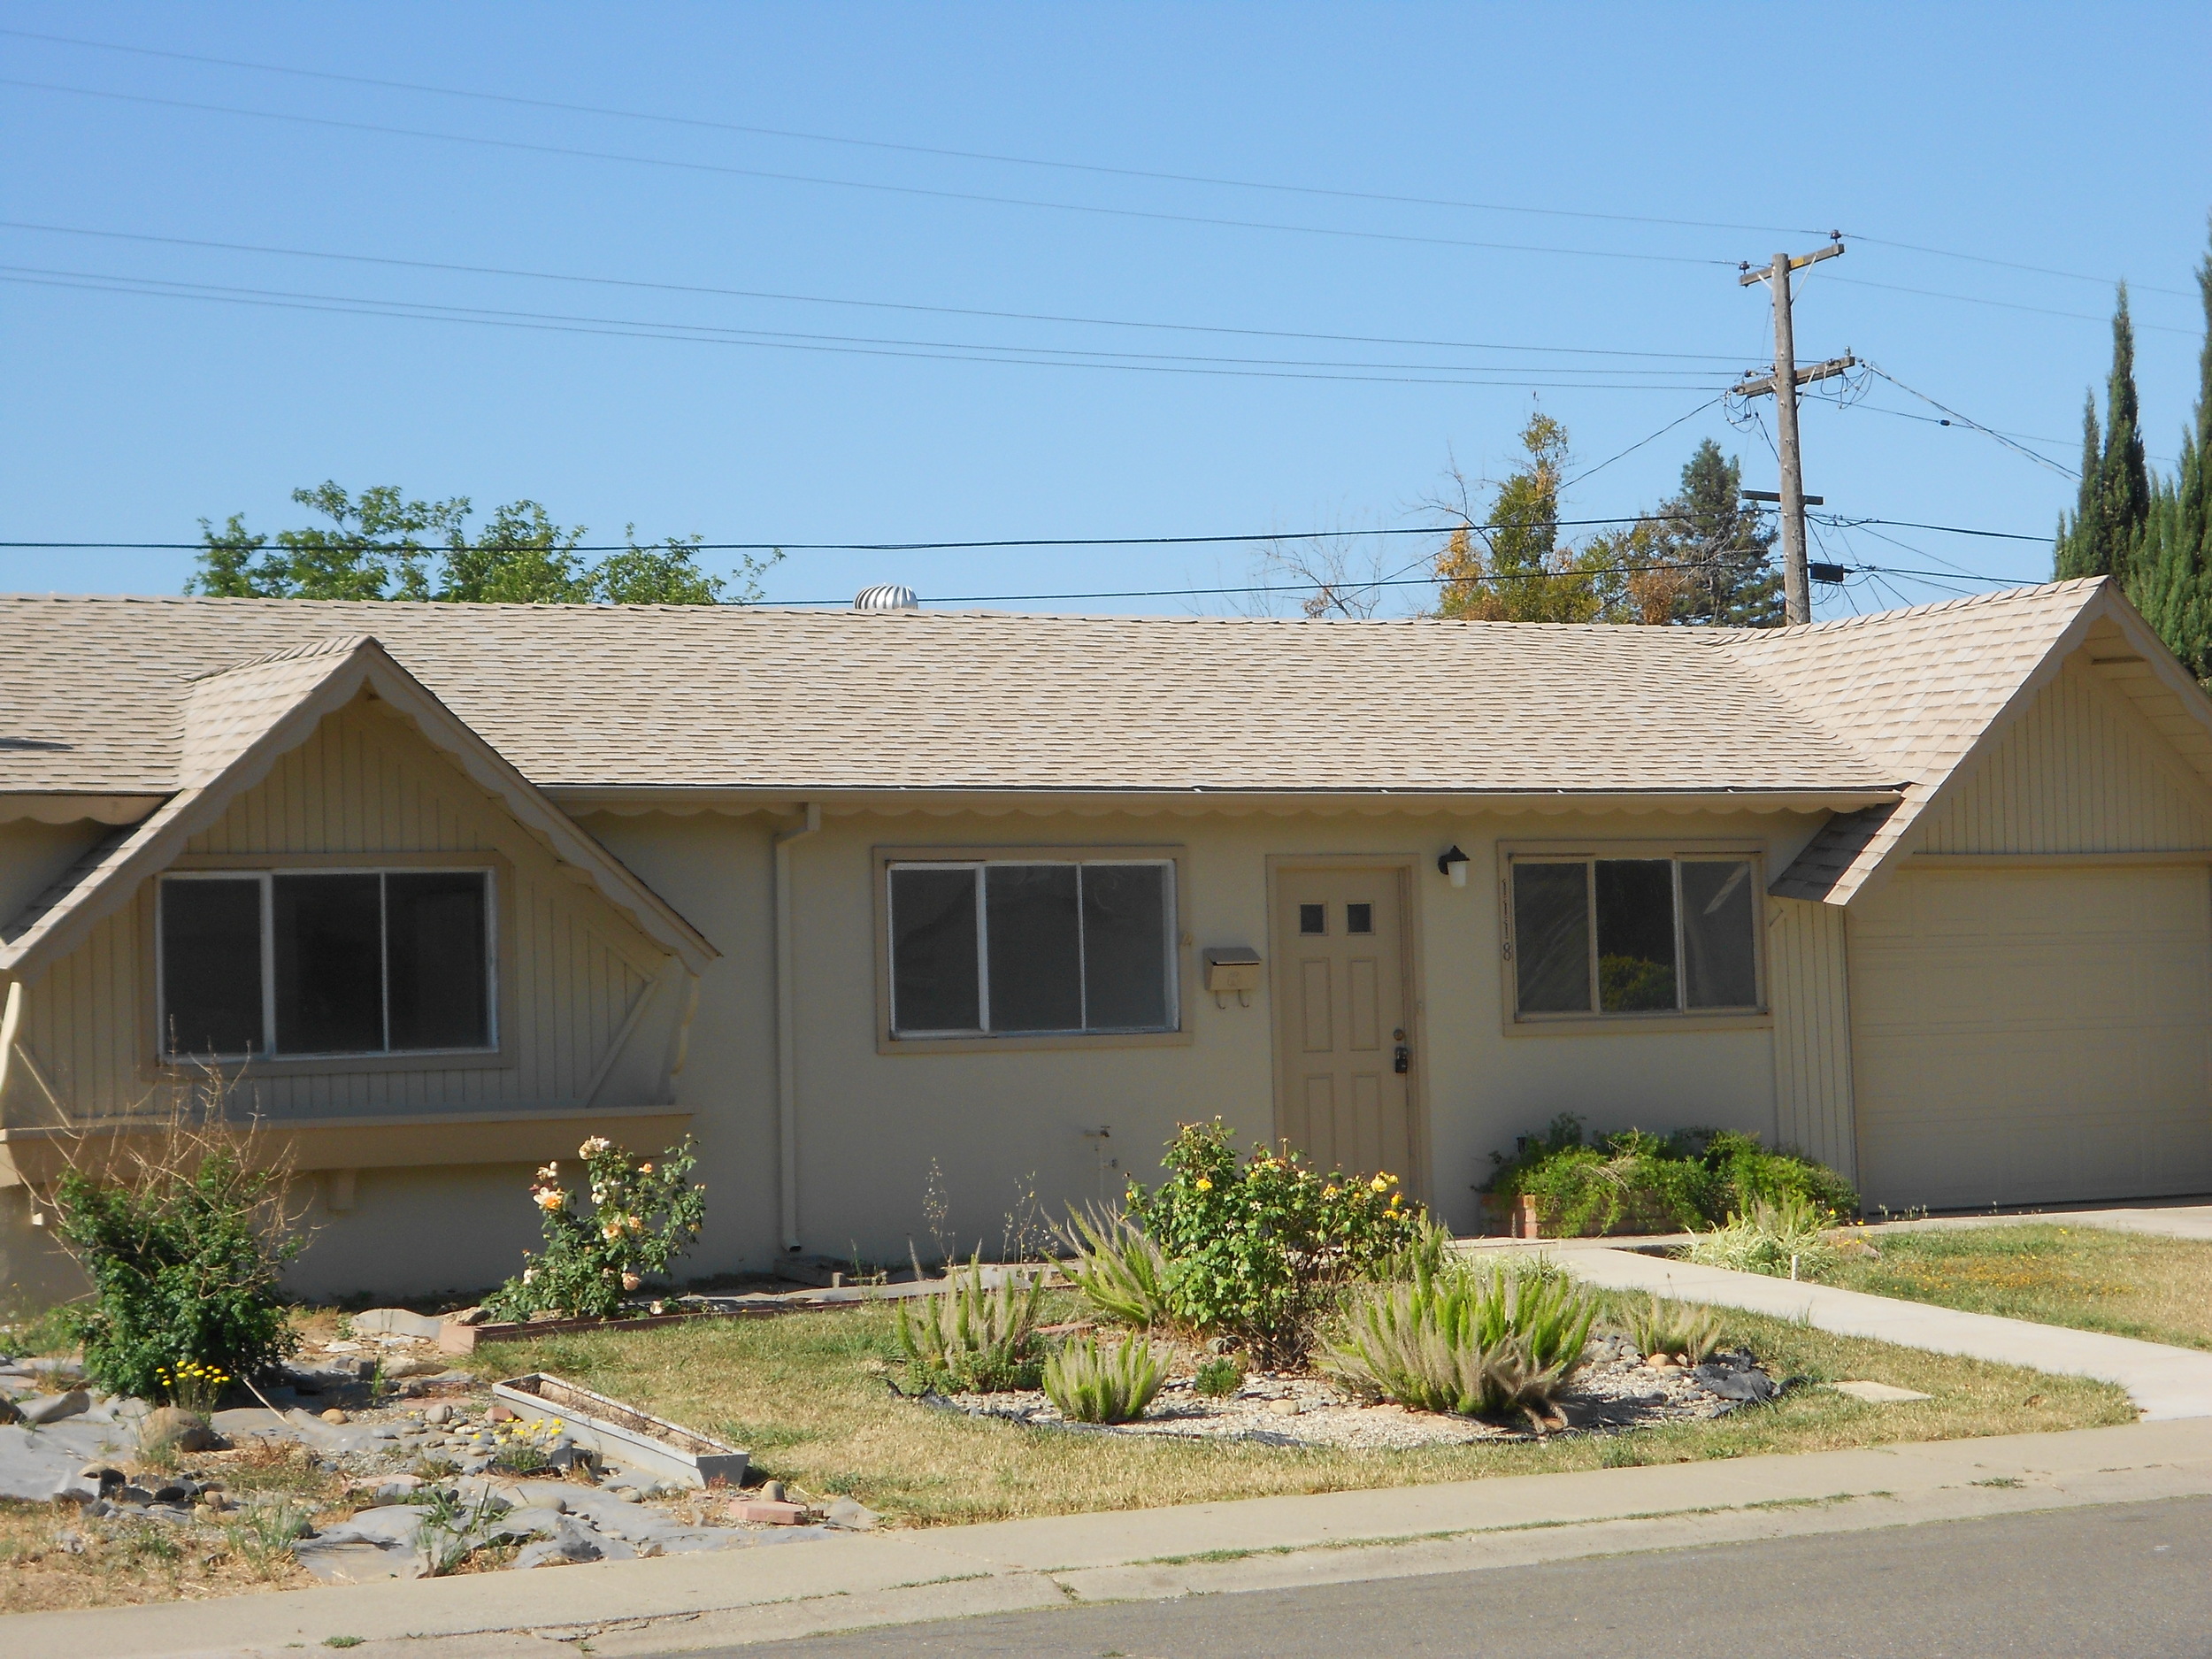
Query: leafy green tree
x: 2101, y: 537
x: 1514, y: 568
x: 384, y: 546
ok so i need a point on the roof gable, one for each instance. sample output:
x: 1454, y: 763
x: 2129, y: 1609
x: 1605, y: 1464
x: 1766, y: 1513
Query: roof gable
x: 1933, y: 689
x: 236, y: 723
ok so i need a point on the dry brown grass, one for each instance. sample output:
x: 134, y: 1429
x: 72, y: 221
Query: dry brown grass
x: 117, y: 1563
x: 2055, y: 1273
x: 808, y: 1395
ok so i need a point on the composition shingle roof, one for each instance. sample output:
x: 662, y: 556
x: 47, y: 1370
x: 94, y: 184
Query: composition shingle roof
x: 732, y: 698
x: 112, y: 695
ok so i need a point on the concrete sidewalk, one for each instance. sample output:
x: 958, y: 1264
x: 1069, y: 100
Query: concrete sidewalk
x: 2193, y: 1221
x: 699, y: 1602
x: 2164, y: 1382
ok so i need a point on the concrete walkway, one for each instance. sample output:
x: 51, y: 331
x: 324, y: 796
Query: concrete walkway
x: 2164, y: 1382
x: 2193, y: 1221
x: 689, y: 1602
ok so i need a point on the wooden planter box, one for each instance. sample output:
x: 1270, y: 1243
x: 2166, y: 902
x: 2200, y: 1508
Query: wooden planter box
x: 633, y: 1439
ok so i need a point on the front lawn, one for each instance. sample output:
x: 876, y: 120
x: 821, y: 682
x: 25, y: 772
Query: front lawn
x: 808, y: 1395
x: 2123, y: 1284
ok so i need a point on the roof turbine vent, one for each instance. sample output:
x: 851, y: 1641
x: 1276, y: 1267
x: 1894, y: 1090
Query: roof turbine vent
x: 886, y: 597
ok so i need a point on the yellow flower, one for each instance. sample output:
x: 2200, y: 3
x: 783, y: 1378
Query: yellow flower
x: 1379, y: 1183
x: 1329, y: 1191
x: 645, y: 1169
x: 1204, y: 1183
x: 1396, y: 1199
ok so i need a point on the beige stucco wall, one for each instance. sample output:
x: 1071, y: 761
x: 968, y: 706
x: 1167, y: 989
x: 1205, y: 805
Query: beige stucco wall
x: 999, y: 1125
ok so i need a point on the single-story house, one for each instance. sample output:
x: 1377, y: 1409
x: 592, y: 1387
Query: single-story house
x: 898, y: 912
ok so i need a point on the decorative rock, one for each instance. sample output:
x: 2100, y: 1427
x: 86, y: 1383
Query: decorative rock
x: 176, y: 1429
x: 130, y: 1409
x: 467, y: 1315
x: 336, y: 1416
x: 54, y: 1408
x: 628, y: 1495
x: 133, y: 1492
x: 397, y: 1322
x: 440, y: 1413
x: 771, y: 1490
x: 109, y: 1481
x: 399, y: 1368
x: 852, y: 1516
x: 498, y: 1413
x: 1661, y: 1362
x: 1286, y: 1408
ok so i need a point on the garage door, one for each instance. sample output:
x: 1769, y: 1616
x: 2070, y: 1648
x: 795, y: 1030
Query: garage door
x: 2033, y: 1035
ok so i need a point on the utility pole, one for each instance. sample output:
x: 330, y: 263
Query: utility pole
x: 1797, y: 592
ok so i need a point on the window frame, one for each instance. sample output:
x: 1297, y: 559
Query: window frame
x: 499, y: 953
x: 971, y: 856
x: 1590, y: 853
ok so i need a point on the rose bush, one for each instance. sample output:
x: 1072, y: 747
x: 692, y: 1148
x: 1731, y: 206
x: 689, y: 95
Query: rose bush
x: 644, y: 1213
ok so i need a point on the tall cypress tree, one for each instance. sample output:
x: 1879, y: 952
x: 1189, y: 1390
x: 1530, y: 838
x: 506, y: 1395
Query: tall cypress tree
x: 2172, y: 573
x: 2116, y: 484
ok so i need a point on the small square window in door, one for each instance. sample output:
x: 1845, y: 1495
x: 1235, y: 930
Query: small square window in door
x: 1359, y: 919
x: 1313, y: 919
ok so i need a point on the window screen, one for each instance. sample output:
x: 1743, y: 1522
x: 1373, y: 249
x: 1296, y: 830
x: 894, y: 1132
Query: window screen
x: 1719, y: 968
x: 1654, y: 935
x: 1024, y: 948
x: 436, y: 944
x: 210, y: 966
x: 1551, y: 937
x: 350, y: 962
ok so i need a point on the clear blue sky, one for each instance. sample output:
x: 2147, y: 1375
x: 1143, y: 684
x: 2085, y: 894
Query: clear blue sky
x: 2074, y: 139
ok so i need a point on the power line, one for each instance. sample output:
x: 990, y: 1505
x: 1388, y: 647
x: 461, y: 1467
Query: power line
x: 2015, y: 264
x: 664, y: 119
x: 572, y: 152
x: 1988, y: 432
x: 693, y: 333
x: 816, y: 299
x: 2007, y: 305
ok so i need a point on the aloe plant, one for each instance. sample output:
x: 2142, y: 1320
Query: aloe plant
x: 970, y: 1336
x: 1474, y: 1341
x: 1091, y: 1385
x: 1122, y: 1273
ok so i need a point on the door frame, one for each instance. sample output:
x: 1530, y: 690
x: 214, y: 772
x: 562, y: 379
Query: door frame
x: 1406, y: 868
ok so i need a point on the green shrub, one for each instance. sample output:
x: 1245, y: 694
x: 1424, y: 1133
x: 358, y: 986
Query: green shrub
x: 1786, y: 1238
x: 1259, y: 1251
x: 644, y: 1213
x: 184, y: 1252
x: 1218, y: 1378
x: 1092, y: 1386
x: 970, y: 1339
x: 1475, y: 1341
x: 1118, y: 1269
x: 1690, y: 1333
x: 1638, y: 1182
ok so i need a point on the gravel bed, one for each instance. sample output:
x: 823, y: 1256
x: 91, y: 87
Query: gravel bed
x: 1615, y: 1390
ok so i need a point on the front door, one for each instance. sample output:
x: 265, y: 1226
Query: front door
x: 1344, y: 1051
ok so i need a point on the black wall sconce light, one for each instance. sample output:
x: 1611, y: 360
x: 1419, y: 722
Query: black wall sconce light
x: 1454, y: 864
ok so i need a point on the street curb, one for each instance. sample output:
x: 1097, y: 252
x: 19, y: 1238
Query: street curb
x: 739, y: 1598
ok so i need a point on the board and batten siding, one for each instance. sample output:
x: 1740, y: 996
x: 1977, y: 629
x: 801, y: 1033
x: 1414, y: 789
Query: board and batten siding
x: 1808, y: 985
x: 2081, y: 770
x: 367, y: 783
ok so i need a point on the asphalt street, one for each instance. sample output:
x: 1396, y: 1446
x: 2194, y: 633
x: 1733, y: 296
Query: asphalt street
x: 2132, y: 1580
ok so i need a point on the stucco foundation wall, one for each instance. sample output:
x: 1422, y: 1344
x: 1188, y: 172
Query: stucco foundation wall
x: 1000, y: 1126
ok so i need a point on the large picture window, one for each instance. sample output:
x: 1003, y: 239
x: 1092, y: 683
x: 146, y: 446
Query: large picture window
x: 280, y: 964
x: 991, y: 948
x: 1658, y: 935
